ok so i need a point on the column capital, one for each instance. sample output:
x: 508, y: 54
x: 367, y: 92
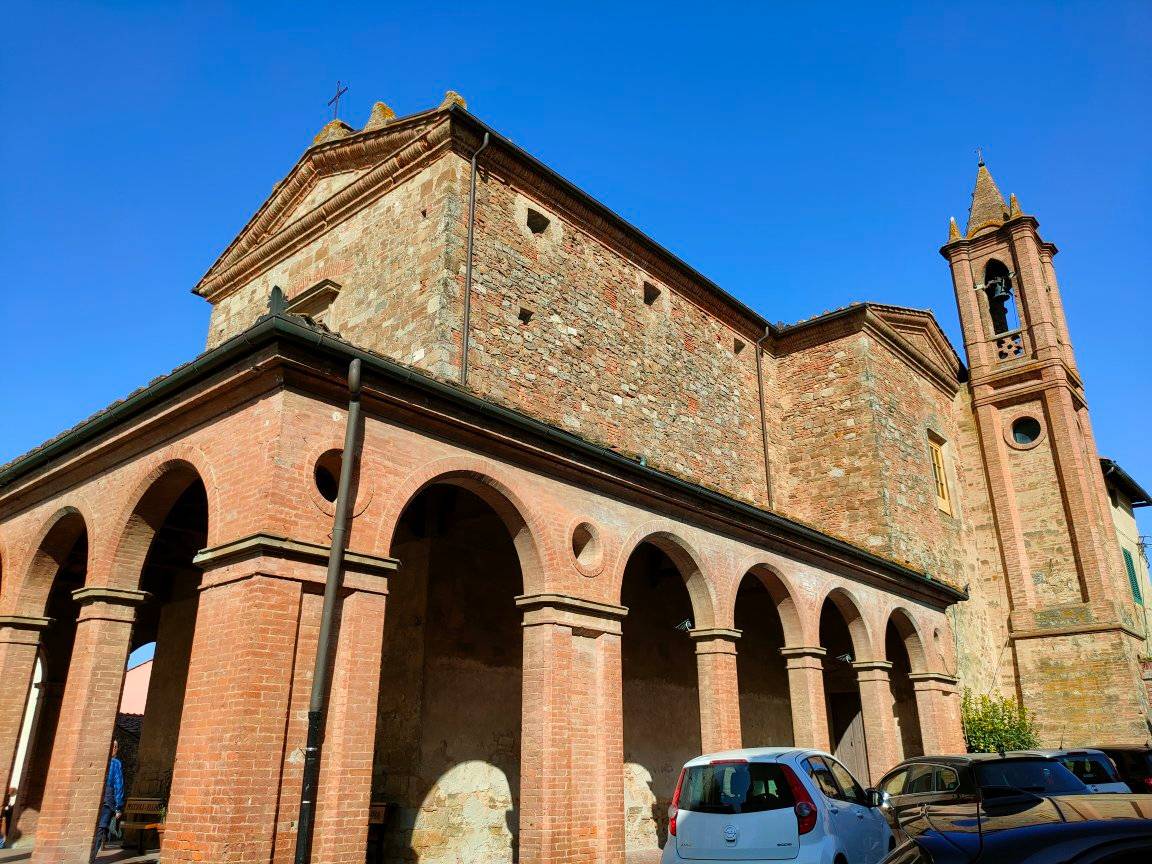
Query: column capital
x: 106, y: 594
x: 105, y: 603
x: 715, y: 640
x: 22, y: 629
x: 872, y: 670
x: 576, y: 613
x: 815, y: 651
x: 934, y: 681
x: 296, y: 560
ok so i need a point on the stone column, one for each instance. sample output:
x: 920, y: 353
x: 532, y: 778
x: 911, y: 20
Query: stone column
x: 87, y: 721
x: 879, y: 710
x: 236, y: 783
x: 806, y: 693
x: 572, y: 735
x: 938, y: 707
x: 19, y: 642
x: 718, y: 687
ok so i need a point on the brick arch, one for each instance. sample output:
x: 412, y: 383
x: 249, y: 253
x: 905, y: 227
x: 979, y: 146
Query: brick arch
x: 48, y: 550
x: 909, y: 632
x: 143, y: 514
x: 701, y: 591
x: 783, y: 594
x: 850, y: 607
x: 496, y: 488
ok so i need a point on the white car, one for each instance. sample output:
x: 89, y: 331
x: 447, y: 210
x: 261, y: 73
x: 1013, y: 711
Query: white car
x: 1093, y: 767
x: 774, y: 804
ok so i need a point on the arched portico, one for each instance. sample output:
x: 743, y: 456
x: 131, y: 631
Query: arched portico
x: 451, y: 779
x: 678, y: 677
x: 904, y: 649
x: 144, y: 590
x: 767, y: 617
x: 42, y: 629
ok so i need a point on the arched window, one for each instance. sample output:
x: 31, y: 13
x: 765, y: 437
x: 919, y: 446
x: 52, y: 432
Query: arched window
x: 1001, y: 302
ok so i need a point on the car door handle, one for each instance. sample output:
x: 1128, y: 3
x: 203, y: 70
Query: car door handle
x: 833, y: 810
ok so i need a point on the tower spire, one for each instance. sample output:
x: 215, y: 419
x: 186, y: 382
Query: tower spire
x: 988, y: 209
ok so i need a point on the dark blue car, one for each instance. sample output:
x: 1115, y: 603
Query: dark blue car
x: 1022, y: 828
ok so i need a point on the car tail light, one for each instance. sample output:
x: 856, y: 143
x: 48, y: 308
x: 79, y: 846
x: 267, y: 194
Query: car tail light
x: 674, y: 807
x: 805, y: 807
x: 1148, y: 783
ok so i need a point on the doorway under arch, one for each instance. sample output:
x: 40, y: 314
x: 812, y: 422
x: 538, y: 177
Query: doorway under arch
x: 762, y: 672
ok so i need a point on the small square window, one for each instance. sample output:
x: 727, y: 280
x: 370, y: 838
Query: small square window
x: 537, y: 222
x: 651, y: 293
x: 525, y: 315
x: 939, y: 476
x: 737, y: 346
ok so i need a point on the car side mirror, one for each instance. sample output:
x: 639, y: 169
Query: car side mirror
x: 876, y: 798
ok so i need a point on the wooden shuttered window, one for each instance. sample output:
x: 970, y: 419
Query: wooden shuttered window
x: 943, y: 499
x: 1133, y: 578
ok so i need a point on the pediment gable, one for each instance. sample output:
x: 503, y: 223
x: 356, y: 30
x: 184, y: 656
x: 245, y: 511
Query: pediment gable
x: 919, y: 328
x: 330, y: 175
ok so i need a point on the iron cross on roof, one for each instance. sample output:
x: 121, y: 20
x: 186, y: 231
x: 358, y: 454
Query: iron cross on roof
x: 335, y: 100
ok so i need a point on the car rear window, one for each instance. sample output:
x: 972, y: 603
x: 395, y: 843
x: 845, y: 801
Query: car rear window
x: 735, y: 787
x: 1044, y: 776
x: 1089, y: 768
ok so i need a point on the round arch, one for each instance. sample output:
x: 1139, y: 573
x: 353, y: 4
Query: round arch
x: 783, y: 596
x: 147, y: 508
x: 700, y: 589
x: 849, y: 608
x: 49, y: 551
x: 905, y: 625
x: 474, y: 476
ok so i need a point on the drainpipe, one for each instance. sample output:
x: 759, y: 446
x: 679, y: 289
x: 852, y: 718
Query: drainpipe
x: 317, y: 703
x: 763, y: 414
x: 468, y: 265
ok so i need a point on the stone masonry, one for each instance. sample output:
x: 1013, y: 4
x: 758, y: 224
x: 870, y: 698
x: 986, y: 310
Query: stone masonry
x: 647, y: 525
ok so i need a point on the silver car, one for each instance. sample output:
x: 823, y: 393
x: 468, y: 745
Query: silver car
x: 774, y: 804
x: 1093, y: 767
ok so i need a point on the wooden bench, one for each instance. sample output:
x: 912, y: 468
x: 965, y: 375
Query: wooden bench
x: 142, y: 816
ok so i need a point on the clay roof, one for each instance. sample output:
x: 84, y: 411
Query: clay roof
x: 988, y: 209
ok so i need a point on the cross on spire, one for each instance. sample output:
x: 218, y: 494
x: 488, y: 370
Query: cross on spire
x: 335, y: 100
x: 979, y: 155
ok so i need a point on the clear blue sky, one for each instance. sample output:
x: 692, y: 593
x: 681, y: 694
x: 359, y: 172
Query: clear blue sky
x: 802, y: 155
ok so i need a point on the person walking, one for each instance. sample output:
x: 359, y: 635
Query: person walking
x: 113, y: 801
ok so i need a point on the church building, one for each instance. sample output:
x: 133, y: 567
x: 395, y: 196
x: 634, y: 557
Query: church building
x: 604, y: 518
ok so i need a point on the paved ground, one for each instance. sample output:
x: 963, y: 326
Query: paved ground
x: 108, y: 856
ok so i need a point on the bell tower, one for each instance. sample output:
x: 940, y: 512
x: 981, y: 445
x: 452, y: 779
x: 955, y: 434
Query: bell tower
x: 1073, y: 629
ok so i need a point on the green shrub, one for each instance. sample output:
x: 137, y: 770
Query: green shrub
x: 993, y: 723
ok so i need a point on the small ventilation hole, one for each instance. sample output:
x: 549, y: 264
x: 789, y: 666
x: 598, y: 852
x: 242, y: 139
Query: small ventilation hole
x: 651, y: 293
x: 737, y: 346
x: 525, y: 315
x: 537, y: 221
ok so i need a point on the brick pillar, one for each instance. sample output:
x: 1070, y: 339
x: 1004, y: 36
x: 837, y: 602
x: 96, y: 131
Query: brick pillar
x: 350, y: 735
x: 80, y: 753
x: 572, y: 735
x: 938, y: 708
x: 879, y: 710
x: 719, y: 688
x: 806, y: 693
x: 19, y: 642
x: 241, y: 744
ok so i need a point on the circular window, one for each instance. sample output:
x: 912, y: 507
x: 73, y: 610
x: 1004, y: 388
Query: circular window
x: 327, y: 474
x: 586, y: 548
x: 1025, y: 431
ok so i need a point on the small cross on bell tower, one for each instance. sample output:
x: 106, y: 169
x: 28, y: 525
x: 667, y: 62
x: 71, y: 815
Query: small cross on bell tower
x: 334, y: 102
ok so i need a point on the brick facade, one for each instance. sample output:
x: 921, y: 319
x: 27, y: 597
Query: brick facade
x: 585, y: 545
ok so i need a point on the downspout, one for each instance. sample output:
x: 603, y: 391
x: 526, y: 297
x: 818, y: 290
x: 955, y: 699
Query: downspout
x: 763, y: 414
x: 317, y: 703
x: 468, y: 266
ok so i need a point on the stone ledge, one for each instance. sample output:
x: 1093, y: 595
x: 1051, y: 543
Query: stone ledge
x: 24, y: 622
x: 296, y: 560
x: 270, y: 546
x: 115, y: 596
x: 568, y: 611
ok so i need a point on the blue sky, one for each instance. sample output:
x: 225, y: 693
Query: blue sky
x: 802, y: 155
